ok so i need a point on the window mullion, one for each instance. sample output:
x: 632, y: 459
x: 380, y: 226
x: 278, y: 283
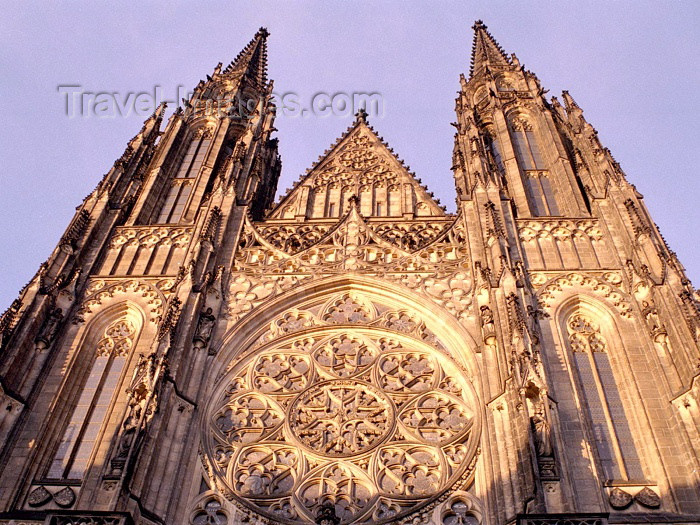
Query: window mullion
x: 608, y: 418
x: 86, y: 419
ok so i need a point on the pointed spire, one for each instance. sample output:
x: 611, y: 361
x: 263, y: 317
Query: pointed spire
x: 485, y: 50
x: 253, y: 59
x: 569, y: 101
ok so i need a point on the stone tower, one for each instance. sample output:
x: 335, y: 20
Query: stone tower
x: 192, y: 353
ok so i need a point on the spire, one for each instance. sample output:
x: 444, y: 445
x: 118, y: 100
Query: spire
x: 486, y: 51
x: 253, y: 59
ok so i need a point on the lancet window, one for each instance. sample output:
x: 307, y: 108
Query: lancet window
x: 603, y: 405
x: 493, y: 149
x: 534, y: 170
x: 181, y: 185
x: 88, y: 417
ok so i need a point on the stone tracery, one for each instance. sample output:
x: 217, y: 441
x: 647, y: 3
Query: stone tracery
x: 349, y: 415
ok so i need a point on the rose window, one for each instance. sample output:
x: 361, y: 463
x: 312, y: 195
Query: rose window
x: 372, y: 421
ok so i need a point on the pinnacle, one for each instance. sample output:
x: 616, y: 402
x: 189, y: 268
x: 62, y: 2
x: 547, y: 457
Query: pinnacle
x: 569, y: 101
x: 485, y: 50
x: 361, y: 116
x: 253, y: 58
x: 479, y: 24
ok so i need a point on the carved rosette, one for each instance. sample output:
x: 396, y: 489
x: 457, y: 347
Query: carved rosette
x: 337, y: 416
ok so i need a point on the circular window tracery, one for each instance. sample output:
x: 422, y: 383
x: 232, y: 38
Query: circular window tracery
x: 376, y: 423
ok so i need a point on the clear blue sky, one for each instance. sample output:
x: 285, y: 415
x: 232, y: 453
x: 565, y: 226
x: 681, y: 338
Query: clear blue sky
x: 631, y: 65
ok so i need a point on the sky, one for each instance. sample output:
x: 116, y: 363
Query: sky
x: 632, y: 66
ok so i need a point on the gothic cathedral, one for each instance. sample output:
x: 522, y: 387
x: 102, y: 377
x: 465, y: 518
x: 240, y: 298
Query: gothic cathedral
x: 195, y: 353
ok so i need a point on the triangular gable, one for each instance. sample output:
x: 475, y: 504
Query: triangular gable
x: 359, y: 164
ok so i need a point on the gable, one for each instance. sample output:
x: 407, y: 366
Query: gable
x: 359, y: 165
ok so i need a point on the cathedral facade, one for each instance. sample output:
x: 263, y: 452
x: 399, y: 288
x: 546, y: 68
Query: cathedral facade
x: 194, y: 353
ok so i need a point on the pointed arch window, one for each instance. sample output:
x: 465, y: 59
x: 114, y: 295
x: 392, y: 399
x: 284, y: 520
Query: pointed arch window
x: 181, y: 185
x: 536, y: 179
x: 526, y: 147
x: 88, y: 417
x: 493, y: 148
x: 603, y: 404
x: 174, y: 204
x: 194, y: 157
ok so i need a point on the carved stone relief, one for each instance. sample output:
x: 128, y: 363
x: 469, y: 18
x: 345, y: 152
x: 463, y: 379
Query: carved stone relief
x: 376, y: 424
x: 559, y: 229
x: 440, y: 271
x: 605, y: 285
x: 350, y: 308
x: 151, y: 293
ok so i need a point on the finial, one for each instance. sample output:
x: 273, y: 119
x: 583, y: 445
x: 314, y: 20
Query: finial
x: 479, y: 24
x: 263, y: 32
x: 361, y: 115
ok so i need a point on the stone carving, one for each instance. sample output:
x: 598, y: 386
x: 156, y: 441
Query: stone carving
x: 50, y: 328
x: 352, y: 308
x: 408, y: 471
x: 542, y: 433
x: 436, y: 418
x: 619, y: 499
x: 562, y: 229
x: 293, y: 239
x: 460, y: 511
x: 601, y: 287
x: 282, y: 373
x: 248, y: 417
x: 292, y: 321
x: 327, y: 516
x: 584, y: 335
x: 39, y: 497
x: 117, y: 340
x: 87, y: 518
x: 341, y: 418
x: 651, y: 316
x: 441, y: 269
x: 210, y: 513
x: 246, y: 292
x: 359, y: 164
x: 141, y: 405
x: 64, y: 497
x: 342, y: 485
x: 411, y: 236
x: 648, y: 498
x: 372, y: 422
x: 345, y: 356
x: 205, y: 326
x: 346, y: 309
x: 540, y: 425
x: 407, y: 372
x: 149, y: 236
x: 267, y: 471
x: 102, y: 290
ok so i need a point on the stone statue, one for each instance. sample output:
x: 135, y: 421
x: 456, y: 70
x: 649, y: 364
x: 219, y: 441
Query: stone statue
x: 652, y: 318
x: 205, y: 326
x: 50, y: 329
x: 487, y: 318
x: 130, y: 426
x: 543, y: 434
